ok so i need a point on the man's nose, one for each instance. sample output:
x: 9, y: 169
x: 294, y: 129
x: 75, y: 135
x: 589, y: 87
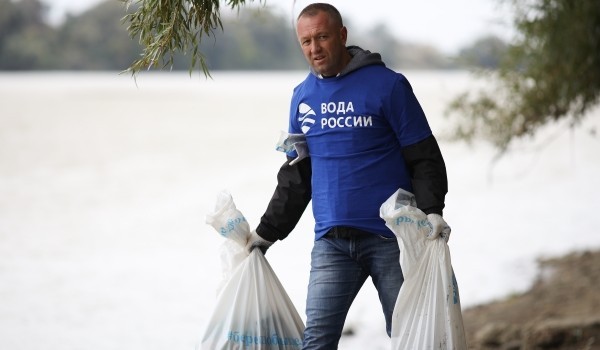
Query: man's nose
x: 315, y: 46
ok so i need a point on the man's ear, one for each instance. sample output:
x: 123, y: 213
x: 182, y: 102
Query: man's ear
x: 344, y: 34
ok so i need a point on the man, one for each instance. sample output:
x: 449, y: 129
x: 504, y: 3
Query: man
x: 366, y: 136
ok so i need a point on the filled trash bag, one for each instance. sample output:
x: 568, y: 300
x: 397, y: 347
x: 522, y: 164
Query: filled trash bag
x: 252, y: 310
x: 427, y: 314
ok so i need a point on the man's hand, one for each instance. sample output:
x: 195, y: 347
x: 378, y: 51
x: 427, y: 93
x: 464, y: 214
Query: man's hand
x: 439, y: 227
x: 256, y: 241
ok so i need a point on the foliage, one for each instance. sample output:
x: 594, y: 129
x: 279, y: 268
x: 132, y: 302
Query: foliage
x: 551, y: 73
x: 165, y: 27
x: 253, y: 39
x: 169, y: 27
x: 96, y: 40
x: 399, y: 54
x: 25, y: 39
x: 484, y: 53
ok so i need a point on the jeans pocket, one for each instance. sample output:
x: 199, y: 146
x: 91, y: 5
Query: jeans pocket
x: 387, y: 238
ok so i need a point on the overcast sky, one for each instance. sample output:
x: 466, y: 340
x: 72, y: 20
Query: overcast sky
x: 446, y: 25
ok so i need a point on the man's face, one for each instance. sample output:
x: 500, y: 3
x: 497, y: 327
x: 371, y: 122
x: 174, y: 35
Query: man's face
x: 323, y: 43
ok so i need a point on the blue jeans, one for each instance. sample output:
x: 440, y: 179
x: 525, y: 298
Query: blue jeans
x: 339, y: 268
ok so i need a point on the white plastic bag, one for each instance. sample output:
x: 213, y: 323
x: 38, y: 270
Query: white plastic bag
x: 427, y: 314
x: 252, y: 311
x: 231, y: 224
x: 293, y: 142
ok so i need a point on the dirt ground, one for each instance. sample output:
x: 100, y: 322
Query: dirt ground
x: 560, y: 311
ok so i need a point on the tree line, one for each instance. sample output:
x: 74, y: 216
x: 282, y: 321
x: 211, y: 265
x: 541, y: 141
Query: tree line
x: 253, y: 39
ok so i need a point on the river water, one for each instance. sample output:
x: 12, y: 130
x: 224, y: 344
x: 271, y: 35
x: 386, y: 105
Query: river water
x: 105, y: 183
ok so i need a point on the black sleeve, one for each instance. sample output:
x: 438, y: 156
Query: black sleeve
x: 292, y: 194
x: 428, y: 174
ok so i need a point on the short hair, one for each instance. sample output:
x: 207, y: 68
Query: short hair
x: 314, y: 9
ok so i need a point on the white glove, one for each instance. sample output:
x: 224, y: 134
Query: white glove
x: 256, y: 241
x: 439, y: 227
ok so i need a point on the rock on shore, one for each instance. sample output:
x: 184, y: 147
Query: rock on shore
x: 560, y: 311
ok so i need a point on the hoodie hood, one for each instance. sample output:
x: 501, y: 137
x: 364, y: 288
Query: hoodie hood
x: 360, y: 58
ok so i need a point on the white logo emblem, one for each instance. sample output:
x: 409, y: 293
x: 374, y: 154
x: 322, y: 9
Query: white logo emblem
x: 307, y: 118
